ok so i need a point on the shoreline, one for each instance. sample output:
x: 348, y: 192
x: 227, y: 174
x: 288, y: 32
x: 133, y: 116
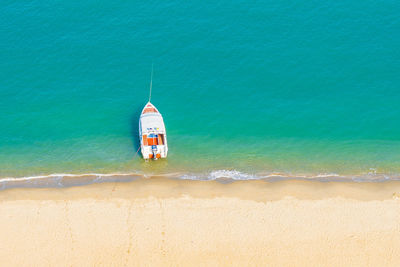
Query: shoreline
x: 60, y: 180
x: 158, y: 221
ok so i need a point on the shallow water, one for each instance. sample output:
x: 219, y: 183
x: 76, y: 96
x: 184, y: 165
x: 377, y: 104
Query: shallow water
x: 246, y: 89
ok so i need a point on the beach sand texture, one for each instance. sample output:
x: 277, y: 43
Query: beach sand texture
x: 164, y: 222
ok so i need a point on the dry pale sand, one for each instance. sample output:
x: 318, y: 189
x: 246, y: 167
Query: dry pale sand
x: 162, y: 222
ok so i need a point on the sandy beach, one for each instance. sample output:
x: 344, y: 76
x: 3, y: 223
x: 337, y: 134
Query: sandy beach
x: 164, y: 222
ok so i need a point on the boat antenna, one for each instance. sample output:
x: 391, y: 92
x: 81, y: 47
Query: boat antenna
x: 151, y: 80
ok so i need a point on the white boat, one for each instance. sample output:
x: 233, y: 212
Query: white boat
x: 153, y: 137
x: 152, y: 134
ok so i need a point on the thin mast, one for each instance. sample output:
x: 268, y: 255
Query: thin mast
x: 151, y: 81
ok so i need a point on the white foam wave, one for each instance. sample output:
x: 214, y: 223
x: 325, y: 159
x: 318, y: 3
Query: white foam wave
x: 234, y: 175
x: 221, y: 174
x: 62, y: 175
x: 239, y: 176
x: 275, y: 176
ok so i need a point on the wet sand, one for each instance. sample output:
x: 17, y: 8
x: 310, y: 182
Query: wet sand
x: 166, y: 222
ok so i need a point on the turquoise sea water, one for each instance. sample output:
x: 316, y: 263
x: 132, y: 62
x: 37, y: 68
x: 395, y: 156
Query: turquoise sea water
x: 252, y: 88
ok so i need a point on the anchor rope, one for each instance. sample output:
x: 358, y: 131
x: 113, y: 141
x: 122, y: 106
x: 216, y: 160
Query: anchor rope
x: 136, y: 153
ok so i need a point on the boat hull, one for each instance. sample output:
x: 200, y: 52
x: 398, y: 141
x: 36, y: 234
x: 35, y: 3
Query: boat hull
x: 152, y: 133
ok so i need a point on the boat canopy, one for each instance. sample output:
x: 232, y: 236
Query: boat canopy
x: 152, y: 123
